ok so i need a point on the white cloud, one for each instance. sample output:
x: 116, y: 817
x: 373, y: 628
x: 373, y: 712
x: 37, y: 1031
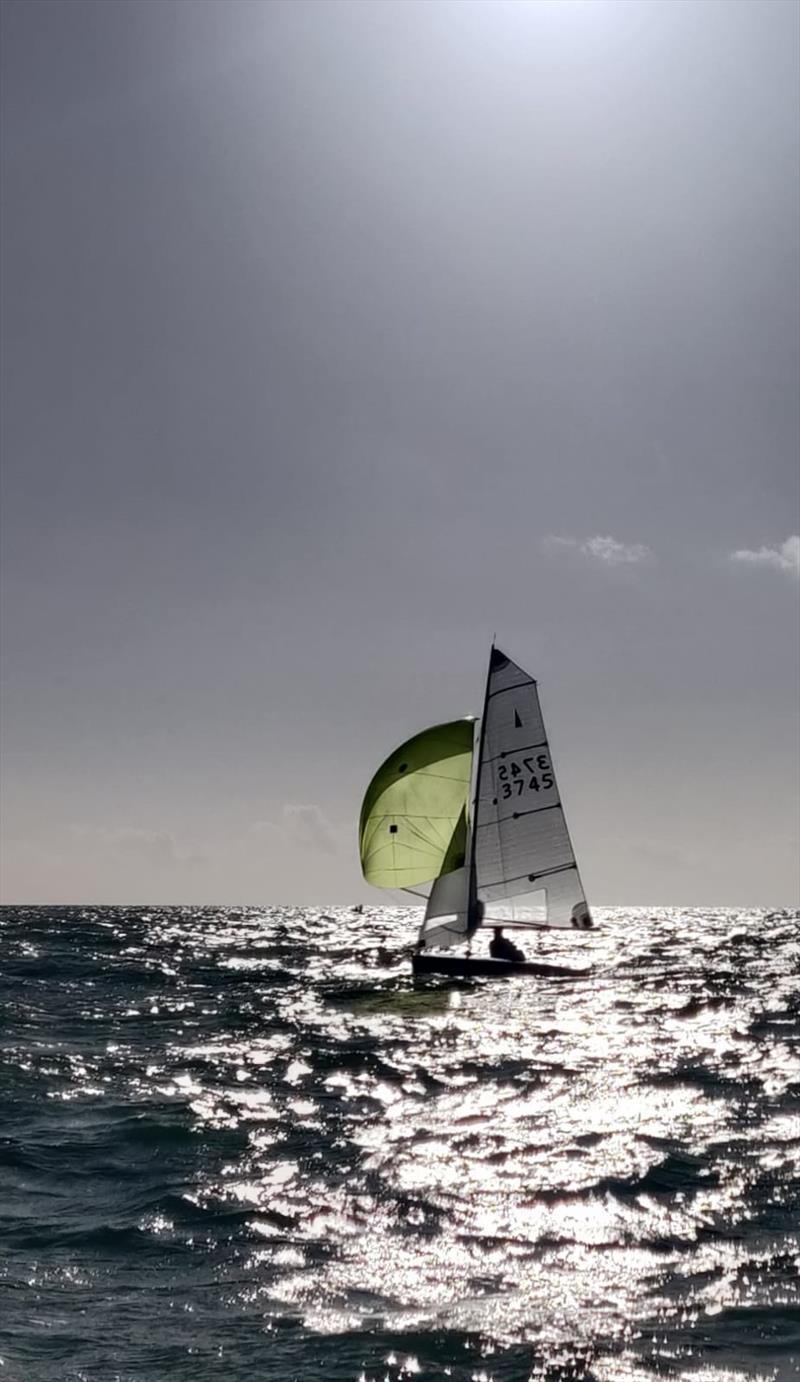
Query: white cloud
x: 605, y: 550
x: 305, y: 826
x: 783, y: 558
x: 308, y: 826
x: 154, y: 847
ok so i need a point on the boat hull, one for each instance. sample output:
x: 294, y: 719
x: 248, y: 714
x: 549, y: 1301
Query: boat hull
x: 464, y: 966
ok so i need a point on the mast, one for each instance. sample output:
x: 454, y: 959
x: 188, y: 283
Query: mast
x: 474, y: 919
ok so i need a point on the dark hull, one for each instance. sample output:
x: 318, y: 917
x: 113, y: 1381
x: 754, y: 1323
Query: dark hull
x: 463, y: 966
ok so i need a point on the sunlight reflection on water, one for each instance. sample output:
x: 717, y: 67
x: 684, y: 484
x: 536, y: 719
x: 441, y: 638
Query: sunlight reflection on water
x: 586, y: 1179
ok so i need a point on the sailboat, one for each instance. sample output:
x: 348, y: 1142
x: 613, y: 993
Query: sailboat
x: 417, y: 828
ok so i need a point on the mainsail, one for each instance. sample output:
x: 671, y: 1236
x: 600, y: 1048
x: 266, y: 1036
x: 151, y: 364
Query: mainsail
x: 521, y: 842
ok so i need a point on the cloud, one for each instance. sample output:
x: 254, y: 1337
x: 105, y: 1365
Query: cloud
x: 302, y: 825
x: 156, y: 846
x: 153, y: 847
x: 662, y: 852
x: 605, y: 550
x: 783, y: 558
x: 308, y: 826
x: 559, y: 544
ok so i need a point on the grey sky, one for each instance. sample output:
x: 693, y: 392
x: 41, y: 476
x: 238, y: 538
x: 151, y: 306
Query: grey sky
x: 335, y: 336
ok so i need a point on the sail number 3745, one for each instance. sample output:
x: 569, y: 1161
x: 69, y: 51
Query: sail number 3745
x: 525, y: 775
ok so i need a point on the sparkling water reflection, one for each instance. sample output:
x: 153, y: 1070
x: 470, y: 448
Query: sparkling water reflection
x: 245, y: 1143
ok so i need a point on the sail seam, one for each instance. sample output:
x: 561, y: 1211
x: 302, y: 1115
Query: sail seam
x: 395, y: 815
x: 444, y: 777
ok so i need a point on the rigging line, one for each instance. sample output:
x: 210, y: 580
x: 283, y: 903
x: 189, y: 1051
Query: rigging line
x: 472, y: 889
x: 495, y: 789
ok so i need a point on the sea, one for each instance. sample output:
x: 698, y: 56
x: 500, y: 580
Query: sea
x: 243, y: 1144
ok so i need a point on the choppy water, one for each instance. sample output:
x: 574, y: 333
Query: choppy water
x: 243, y: 1145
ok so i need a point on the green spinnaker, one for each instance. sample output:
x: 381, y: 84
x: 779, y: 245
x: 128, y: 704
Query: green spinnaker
x: 414, y: 818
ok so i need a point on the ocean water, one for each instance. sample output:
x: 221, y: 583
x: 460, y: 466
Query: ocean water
x: 244, y: 1144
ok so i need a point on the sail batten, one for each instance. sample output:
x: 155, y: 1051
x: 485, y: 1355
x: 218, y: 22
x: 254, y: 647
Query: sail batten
x: 526, y: 748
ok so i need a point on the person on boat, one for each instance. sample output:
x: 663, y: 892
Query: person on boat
x: 501, y: 948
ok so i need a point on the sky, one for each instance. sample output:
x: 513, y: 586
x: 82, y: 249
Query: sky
x: 337, y: 338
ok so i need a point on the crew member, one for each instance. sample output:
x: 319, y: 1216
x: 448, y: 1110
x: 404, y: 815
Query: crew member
x: 501, y: 948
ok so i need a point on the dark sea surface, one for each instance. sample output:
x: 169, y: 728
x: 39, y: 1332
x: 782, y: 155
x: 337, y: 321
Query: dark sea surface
x: 244, y: 1144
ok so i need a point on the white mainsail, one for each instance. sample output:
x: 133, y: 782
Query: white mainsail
x: 521, y: 843
x: 518, y: 841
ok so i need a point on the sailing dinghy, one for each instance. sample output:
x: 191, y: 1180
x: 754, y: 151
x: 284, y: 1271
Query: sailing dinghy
x: 416, y: 828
